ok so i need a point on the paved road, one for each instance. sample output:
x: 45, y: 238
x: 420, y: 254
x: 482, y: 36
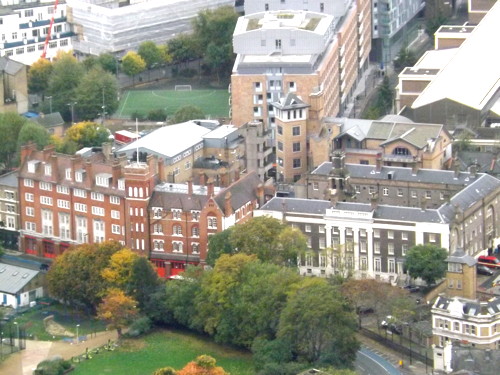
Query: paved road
x: 369, y: 363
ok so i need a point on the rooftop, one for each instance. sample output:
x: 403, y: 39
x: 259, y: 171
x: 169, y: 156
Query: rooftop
x: 280, y: 19
x: 169, y: 141
x: 14, y: 278
x: 457, y: 81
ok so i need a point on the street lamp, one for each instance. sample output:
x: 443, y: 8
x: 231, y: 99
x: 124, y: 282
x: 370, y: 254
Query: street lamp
x: 77, y: 337
x: 50, y: 102
x: 18, y: 339
x: 72, y: 105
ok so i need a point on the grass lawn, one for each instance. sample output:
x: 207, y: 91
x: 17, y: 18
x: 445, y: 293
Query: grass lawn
x: 160, y: 349
x: 213, y: 102
x: 32, y: 322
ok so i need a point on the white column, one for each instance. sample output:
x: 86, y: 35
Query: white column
x: 369, y: 251
x: 355, y: 237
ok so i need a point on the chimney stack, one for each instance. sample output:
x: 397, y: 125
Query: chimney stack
x: 190, y: 186
x: 423, y: 203
x: 378, y: 163
x: 116, y: 171
x: 210, y: 187
x: 414, y: 168
x: 473, y: 170
x: 106, y: 150
x: 202, y: 179
x: 53, y: 163
x: 456, y: 168
x: 26, y: 150
x: 161, y: 169
x: 47, y: 152
x: 228, y: 209
x: 90, y: 173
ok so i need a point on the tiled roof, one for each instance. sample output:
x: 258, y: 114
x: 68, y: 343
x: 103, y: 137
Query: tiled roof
x: 242, y: 191
x: 306, y: 206
x: 459, y: 256
x: 9, y: 179
x: 49, y: 120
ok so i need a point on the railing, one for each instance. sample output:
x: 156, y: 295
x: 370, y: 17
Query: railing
x: 398, y: 347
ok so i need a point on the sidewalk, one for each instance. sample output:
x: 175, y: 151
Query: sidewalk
x: 416, y: 368
x: 25, y: 361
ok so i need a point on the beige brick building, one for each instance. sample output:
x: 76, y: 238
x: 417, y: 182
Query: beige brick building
x: 316, y: 56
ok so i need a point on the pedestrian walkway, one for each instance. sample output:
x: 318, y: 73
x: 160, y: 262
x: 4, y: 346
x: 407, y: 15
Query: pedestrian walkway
x: 416, y: 368
x: 25, y: 361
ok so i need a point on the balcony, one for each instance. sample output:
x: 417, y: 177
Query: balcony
x: 408, y: 159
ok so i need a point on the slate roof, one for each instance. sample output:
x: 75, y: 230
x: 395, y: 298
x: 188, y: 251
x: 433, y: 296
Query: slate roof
x: 176, y: 195
x: 459, y: 256
x: 49, y: 120
x: 305, y: 206
x: 10, y: 179
x: 290, y: 101
x: 469, y: 360
x: 480, y: 188
x: 9, y: 66
x: 319, y: 207
x: 242, y: 191
x: 467, y: 306
x: 14, y: 278
x: 400, y: 174
x: 486, y: 162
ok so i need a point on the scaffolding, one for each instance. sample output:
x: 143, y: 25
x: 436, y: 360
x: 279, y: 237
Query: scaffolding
x: 118, y: 26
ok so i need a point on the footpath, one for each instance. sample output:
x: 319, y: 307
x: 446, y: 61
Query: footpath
x: 25, y: 361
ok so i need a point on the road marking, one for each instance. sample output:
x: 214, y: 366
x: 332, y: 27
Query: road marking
x: 378, y: 363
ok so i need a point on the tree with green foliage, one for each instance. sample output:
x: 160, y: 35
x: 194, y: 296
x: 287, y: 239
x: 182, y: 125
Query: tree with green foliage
x: 108, y: 62
x: 89, y: 62
x: 218, y: 244
x: 372, y: 113
x: 271, y: 240
x: 183, y: 48
x: 38, y: 76
x: 186, y: 113
x: 10, y: 126
x: 145, y: 287
x: 214, y: 31
x: 319, y: 323
x: 385, y: 96
x: 75, y: 276
x: 157, y: 115
x: 66, y: 75
x: 180, y: 298
x: 151, y: 53
x: 118, y: 309
x: 202, y: 365
x: 406, y: 57
x: 2, y: 252
x: 133, y: 64
x: 32, y: 132
x: 52, y: 366
x: 427, y: 262
x: 463, y: 142
x: 96, y: 90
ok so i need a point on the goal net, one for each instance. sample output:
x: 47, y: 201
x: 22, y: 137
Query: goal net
x: 183, y: 88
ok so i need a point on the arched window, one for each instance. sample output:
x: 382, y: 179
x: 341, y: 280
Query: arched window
x: 196, y: 248
x: 177, y: 230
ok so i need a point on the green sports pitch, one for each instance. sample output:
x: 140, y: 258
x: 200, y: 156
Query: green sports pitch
x: 214, y: 103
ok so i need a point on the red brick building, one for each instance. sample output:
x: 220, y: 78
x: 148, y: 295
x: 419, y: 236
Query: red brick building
x: 183, y: 216
x: 72, y: 199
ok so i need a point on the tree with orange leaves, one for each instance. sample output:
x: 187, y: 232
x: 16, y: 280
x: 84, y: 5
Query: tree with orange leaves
x: 202, y: 365
x: 118, y: 309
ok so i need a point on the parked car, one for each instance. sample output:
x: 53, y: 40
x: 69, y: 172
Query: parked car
x: 389, y: 324
x: 483, y: 270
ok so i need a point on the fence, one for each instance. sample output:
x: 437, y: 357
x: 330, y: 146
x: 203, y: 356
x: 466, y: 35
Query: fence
x: 410, y: 353
x: 12, y: 338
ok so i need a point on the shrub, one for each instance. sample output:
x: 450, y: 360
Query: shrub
x: 139, y: 327
x: 53, y: 366
x: 157, y: 115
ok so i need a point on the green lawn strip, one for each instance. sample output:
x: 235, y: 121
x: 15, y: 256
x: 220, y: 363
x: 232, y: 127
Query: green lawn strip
x: 164, y: 348
x: 214, y: 103
x: 32, y: 322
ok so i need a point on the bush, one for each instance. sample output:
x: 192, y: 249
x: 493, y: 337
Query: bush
x: 137, y: 115
x: 53, y: 366
x: 157, y: 115
x: 139, y: 327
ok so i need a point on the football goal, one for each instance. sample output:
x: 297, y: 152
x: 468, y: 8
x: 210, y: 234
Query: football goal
x: 183, y: 88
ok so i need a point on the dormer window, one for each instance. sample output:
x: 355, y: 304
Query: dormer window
x: 121, y: 184
x: 79, y: 176
x: 32, y: 166
x: 48, y: 170
x: 455, y: 267
x: 102, y: 179
x: 68, y: 174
